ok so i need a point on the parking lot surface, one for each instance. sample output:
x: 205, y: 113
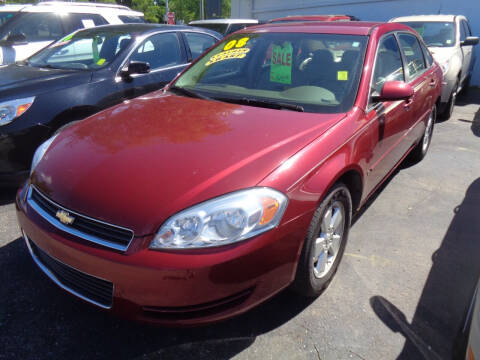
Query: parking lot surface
x: 401, y: 291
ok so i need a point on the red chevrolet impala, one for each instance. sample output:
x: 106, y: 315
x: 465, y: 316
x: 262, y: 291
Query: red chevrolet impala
x: 198, y: 202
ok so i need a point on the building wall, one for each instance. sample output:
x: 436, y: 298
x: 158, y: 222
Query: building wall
x: 369, y: 10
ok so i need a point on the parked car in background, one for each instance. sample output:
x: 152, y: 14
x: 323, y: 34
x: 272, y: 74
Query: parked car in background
x: 303, y: 18
x: 36, y: 26
x: 198, y: 202
x: 224, y: 26
x: 450, y: 40
x: 81, y: 74
x: 8, y: 11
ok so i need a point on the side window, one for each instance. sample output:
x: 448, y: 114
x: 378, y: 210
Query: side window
x: 427, y: 54
x: 130, y: 19
x: 463, y: 32
x: 235, y: 27
x: 388, y: 65
x: 84, y: 21
x: 39, y: 27
x: 198, y: 43
x: 468, y: 28
x: 160, y: 50
x: 413, y: 54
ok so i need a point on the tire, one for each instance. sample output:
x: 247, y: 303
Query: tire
x: 447, y: 113
x: 313, y: 276
x: 421, y: 149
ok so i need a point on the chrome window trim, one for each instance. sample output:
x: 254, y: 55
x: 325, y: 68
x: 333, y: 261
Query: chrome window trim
x: 52, y: 276
x: 55, y: 222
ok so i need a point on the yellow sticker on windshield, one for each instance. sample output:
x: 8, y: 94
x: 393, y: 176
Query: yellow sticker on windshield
x: 342, y: 75
x: 101, y: 61
x: 229, y: 54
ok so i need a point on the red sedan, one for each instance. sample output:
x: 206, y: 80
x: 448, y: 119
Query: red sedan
x: 198, y: 202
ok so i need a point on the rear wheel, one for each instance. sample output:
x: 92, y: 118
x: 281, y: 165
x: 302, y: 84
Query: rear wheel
x: 447, y: 113
x: 419, y: 152
x: 325, y: 242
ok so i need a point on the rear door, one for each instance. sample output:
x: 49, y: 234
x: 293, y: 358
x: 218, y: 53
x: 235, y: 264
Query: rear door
x: 166, y: 55
x: 421, y: 77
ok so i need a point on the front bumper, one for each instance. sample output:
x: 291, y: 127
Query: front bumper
x: 175, y: 288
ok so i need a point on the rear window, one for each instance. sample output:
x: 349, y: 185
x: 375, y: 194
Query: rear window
x: 35, y: 27
x: 129, y: 19
x: 5, y: 16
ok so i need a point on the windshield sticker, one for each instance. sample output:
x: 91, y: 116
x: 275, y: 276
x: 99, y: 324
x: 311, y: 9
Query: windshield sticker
x: 66, y: 38
x: 281, y: 64
x: 229, y: 54
x: 234, y: 43
x: 101, y: 61
x: 342, y: 75
x: 234, y: 49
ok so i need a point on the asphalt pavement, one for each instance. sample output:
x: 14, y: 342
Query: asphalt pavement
x: 401, y: 291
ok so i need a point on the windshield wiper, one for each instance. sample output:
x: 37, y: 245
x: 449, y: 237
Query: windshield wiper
x: 265, y: 103
x: 189, y: 93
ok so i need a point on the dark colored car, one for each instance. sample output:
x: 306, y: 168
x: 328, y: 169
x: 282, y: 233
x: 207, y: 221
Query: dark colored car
x: 304, y: 18
x: 198, y: 202
x: 224, y: 26
x: 82, y: 74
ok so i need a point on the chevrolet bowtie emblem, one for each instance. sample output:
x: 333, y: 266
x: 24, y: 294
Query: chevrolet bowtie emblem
x: 64, y: 217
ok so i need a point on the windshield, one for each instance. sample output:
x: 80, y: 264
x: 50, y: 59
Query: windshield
x: 435, y: 34
x: 307, y: 72
x: 4, y: 16
x: 34, y: 26
x: 87, y: 50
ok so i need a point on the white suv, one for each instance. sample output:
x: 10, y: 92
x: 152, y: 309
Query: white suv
x: 36, y: 26
x: 450, y: 40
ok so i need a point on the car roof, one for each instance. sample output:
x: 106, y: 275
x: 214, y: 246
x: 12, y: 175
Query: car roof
x: 78, y: 7
x: 144, y: 29
x: 224, y: 21
x: 333, y: 27
x: 312, y: 18
x: 449, y: 18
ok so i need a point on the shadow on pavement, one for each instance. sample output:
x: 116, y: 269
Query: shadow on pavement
x: 38, y: 320
x: 448, y: 290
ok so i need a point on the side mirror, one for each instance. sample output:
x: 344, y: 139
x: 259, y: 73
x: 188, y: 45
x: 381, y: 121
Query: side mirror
x: 469, y: 41
x: 135, y: 67
x: 17, y: 38
x: 394, y: 90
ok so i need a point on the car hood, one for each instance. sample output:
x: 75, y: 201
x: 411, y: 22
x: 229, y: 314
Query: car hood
x: 441, y: 55
x: 140, y: 162
x: 15, y: 79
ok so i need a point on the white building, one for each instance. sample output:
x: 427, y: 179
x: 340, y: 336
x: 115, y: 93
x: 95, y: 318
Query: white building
x: 369, y: 10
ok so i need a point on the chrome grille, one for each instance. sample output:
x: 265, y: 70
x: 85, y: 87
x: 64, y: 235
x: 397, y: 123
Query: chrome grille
x: 87, y: 287
x: 84, y: 227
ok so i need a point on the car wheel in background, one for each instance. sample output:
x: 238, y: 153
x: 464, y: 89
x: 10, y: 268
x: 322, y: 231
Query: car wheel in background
x: 447, y: 113
x: 420, y: 150
x: 325, y: 242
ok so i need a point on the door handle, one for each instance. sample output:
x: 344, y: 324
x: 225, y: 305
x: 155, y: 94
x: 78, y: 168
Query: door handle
x: 407, y: 104
x: 432, y: 83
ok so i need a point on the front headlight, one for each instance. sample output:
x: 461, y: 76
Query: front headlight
x: 224, y: 220
x: 12, y: 109
x: 41, y: 150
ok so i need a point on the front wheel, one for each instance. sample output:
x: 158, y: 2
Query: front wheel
x: 325, y: 242
x: 419, y: 152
